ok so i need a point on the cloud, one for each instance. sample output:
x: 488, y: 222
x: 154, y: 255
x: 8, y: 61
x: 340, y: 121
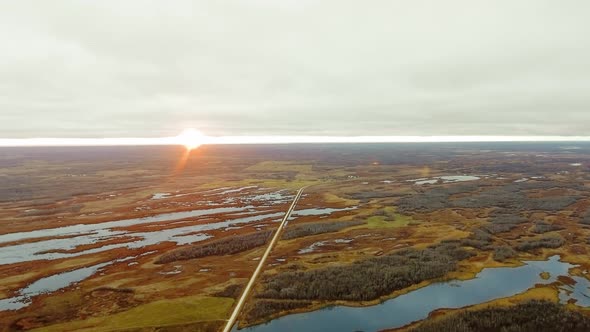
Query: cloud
x: 150, y: 68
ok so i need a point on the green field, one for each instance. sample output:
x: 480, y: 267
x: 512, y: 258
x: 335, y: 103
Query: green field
x: 390, y: 220
x: 180, y: 311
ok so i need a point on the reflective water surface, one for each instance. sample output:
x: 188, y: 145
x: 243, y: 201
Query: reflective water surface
x: 489, y: 284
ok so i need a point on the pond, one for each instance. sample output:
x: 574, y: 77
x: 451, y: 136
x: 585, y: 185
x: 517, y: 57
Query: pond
x: 489, y: 284
x: 53, y: 283
x: 446, y: 179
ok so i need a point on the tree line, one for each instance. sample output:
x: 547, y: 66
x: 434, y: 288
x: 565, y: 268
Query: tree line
x: 302, y: 230
x: 533, y: 316
x: 367, y: 279
x: 226, y: 246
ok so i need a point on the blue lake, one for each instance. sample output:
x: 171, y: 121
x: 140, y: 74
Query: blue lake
x: 489, y: 284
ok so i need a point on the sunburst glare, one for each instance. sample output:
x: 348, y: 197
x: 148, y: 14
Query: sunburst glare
x: 190, y: 138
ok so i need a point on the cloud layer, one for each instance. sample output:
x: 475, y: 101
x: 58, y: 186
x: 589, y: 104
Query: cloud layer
x: 265, y: 67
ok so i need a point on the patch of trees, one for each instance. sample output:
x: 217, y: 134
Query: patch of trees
x: 367, y: 279
x: 506, y: 216
x: 544, y: 227
x: 234, y: 291
x: 504, y: 220
x: 480, y: 239
x: 554, y: 203
x: 365, y: 196
x: 515, y: 198
x: 302, y: 230
x: 533, y: 316
x: 544, y: 242
x: 509, y: 166
x: 502, y: 253
x: 266, y: 308
x: 500, y: 228
x: 512, y: 197
x: 433, y: 199
x: 226, y: 246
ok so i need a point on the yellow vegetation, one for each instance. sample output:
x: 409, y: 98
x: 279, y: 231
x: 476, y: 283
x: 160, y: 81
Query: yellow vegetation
x: 160, y: 313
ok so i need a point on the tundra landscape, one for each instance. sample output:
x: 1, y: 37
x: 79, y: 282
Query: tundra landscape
x: 412, y: 237
x: 295, y: 166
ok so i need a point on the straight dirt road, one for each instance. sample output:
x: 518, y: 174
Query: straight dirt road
x: 275, y: 239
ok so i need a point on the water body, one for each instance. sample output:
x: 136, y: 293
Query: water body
x: 160, y: 195
x: 71, y: 237
x: 459, y: 178
x: 58, y: 281
x: 235, y: 190
x: 86, y: 234
x: 580, y: 292
x: 274, y: 198
x: 95, y: 233
x: 220, y: 196
x: 48, y: 285
x: 317, y: 245
x: 86, y: 228
x: 319, y: 211
x: 445, y: 179
x: 489, y: 284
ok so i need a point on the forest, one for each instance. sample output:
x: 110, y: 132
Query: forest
x: 533, y: 316
x: 226, y: 246
x: 544, y: 242
x: 511, y: 197
x: 367, y: 279
x: 266, y: 308
x: 545, y: 227
x: 297, y: 231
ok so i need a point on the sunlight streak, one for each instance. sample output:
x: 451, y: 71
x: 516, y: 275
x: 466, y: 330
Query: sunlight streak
x: 182, y: 161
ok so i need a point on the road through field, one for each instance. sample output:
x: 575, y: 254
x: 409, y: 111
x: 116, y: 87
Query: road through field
x: 275, y: 239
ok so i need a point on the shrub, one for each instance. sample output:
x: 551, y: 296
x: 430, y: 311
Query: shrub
x: 544, y: 227
x: 480, y: 239
x: 545, y: 242
x: 227, y: 246
x: 502, y: 253
x: 265, y: 308
x: 233, y: 291
x: 500, y: 228
x: 302, y: 230
x: 366, y: 279
x: 511, y: 196
x: 533, y: 316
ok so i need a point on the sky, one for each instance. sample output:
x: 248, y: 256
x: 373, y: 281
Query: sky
x: 95, y: 69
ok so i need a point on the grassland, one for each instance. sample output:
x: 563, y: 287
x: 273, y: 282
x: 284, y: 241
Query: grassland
x: 390, y: 220
x: 160, y: 313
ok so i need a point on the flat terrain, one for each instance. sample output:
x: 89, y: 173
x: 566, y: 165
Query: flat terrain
x: 146, y: 238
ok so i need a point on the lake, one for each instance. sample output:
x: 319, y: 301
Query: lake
x: 489, y: 284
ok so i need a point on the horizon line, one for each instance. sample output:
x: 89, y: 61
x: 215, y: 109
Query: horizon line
x: 223, y: 140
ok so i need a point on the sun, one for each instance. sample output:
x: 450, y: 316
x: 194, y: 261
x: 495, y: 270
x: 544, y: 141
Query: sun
x: 190, y: 138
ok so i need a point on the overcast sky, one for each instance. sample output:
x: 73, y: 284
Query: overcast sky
x: 294, y: 67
